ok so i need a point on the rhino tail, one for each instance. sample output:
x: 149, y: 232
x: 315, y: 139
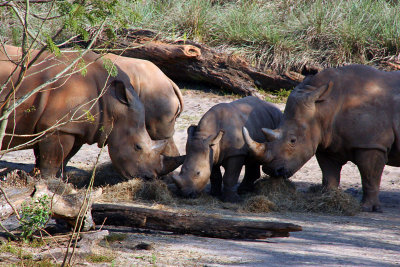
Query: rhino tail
x: 178, y: 93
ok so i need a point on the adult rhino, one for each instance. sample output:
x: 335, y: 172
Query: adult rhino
x: 341, y: 114
x: 218, y: 141
x: 162, y: 99
x: 90, y: 108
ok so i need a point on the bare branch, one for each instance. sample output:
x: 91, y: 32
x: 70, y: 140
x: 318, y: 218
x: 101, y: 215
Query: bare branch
x: 50, y: 81
x: 9, y: 203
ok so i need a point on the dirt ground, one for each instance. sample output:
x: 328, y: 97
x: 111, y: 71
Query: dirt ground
x: 366, y: 239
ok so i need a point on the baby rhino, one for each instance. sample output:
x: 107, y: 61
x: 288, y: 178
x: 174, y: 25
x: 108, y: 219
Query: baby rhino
x: 218, y: 141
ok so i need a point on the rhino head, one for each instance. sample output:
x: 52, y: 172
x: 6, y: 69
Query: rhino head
x: 296, y: 140
x: 196, y: 169
x: 132, y: 151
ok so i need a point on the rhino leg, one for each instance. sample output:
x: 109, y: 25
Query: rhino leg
x: 72, y: 153
x: 331, y: 169
x: 52, y: 152
x: 171, y: 149
x: 252, y: 173
x: 232, y: 166
x: 370, y: 163
x: 216, y: 181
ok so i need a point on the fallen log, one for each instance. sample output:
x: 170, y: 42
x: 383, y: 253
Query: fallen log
x: 65, y: 202
x: 193, y: 62
x: 186, y: 223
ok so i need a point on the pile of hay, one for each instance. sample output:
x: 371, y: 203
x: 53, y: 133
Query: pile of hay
x: 281, y: 195
x: 137, y: 189
x: 334, y: 201
x: 258, y: 204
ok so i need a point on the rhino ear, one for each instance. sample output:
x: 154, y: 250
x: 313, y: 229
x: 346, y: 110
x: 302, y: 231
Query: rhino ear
x: 270, y: 134
x: 217, y: 138
x: 321, y: 93
x: 123, y: 94
x: 191, y: 130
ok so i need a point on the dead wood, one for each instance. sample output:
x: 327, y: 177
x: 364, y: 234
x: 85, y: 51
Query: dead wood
x: 65, y: 203
x: 186, y: 223
x: 194, y: 62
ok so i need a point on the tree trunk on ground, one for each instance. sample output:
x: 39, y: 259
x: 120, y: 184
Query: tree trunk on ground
x: 193, y: 62
x: 64, y: 205
x: 187, y: 223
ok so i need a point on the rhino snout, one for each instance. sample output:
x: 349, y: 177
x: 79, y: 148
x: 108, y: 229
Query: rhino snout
x: 278, y: 172
x: 184, y: 189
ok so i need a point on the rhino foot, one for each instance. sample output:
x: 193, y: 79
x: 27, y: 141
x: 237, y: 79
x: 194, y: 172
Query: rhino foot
x: 231, y: 197
x: 371, y: 208
x: 245, y: 188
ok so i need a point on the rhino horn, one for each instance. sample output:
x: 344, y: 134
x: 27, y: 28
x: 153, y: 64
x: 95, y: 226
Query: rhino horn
x: 169, y: 164
x: 177, y: 180
x: 257, y: 148
x: 271, y: 135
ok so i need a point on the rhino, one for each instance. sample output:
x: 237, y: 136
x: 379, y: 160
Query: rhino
x: 343, y: 114
x: 162, y: 99
x: 87, y: 106
x: 218, y: 141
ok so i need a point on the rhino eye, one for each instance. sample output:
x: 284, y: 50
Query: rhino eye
x: 197, y: 173
x: 293, y: 140
x: 138, y: 147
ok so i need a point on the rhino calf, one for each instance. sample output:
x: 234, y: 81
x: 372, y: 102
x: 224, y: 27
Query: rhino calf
x: 218, y: 141
x: 341, y: 114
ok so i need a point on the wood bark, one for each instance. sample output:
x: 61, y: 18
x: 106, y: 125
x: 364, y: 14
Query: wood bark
x: 186, y: 223
x: 192, y: 62
x: 64, y: 206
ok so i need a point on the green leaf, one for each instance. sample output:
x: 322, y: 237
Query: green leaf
x: 110, y: 67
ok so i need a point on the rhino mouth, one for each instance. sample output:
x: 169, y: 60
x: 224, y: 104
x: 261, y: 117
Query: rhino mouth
x: 279, y: 172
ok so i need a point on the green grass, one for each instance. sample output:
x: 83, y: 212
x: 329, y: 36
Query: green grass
x: 278, y: 96
x: 95, y: 258
x: 284, y: 34
x: 279, y: 34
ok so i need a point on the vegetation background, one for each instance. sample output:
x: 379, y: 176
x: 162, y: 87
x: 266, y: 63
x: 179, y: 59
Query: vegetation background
x: 278, y: 34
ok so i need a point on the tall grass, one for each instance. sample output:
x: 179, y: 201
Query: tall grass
x: 283, y: 34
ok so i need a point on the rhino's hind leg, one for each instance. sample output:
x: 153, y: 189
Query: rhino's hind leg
x: 52, y: 152
x: 252, y: 173
x: 330, y: 170
x: 72, y: 153
x: 370, y: 164
x: 216, y: 181
x: 232, y: 166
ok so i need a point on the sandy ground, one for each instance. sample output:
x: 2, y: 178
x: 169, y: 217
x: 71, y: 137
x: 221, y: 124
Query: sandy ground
x: 367, y: 239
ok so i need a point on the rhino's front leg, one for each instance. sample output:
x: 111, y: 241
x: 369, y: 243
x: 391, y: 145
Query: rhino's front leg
x: 252, y: 173
x: 216, y: 181
x: 52, y: 152
x: 232, y: 166
x: 330, y: 170
x: 370, y: 164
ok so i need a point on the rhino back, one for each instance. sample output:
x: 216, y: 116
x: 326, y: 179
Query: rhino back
x: 250, y: 112
x: 156, y: 93
x: 361, y: 110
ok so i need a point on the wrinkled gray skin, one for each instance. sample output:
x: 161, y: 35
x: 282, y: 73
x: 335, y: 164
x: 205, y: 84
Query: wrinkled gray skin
x: 116, y: 118
x: 162, y: 99
x: 341, y: 114
x: 218, y: 141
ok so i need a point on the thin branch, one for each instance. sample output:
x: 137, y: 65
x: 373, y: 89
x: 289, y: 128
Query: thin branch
x: 50, y: 81
x: 9, y: 203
